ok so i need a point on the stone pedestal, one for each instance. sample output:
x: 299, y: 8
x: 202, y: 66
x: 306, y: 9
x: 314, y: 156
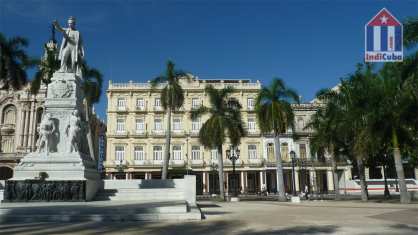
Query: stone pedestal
x: 61, y: 169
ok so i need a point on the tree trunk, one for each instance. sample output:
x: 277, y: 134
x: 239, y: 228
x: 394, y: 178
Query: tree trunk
x: 363, y: 184
x: 89, y: 134
x: 221, y: 173
x: 335, y: 177
x: 166, y: 160
x: 279, y: 172
x: 405, y: 198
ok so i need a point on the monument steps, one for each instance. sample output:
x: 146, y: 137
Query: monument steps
x: 125, y: 194
x: 97, y: 211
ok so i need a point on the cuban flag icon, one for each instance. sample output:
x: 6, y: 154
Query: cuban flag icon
x: 383, y: 35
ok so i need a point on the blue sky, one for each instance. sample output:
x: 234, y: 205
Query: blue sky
x: 310, y: 44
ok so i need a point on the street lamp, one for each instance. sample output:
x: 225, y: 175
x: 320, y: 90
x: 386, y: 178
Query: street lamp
x: 233, y: 154
x: 293, y: 157
x: 387, y: 193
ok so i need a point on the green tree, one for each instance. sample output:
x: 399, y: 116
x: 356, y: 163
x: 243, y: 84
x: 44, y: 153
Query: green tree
x: 396, y: 118
x: 13, y: 62
x: 172, y: 98
x: 275, y: 114
x: 327, y: 129
x: 224, y: 121
x: 48, y: 65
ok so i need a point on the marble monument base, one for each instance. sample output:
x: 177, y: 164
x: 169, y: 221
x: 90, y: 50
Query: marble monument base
x: 53, y: 177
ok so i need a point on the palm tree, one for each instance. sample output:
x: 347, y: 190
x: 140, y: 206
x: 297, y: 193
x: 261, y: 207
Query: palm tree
x: 358, y: 99
x: 172, y: 98
x: 92, y: 87
x: 327, y: 131
x: 224, y: 121
x: 397, y: 113
x: 13, y: 62
x: 275, y: 114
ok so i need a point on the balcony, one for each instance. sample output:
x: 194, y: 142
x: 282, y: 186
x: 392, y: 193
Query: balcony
x: 199, y: 162
x: 250, y: 109
x: 256, y: 162
x: 158, y: 109
x: 139, y: 133
x: 119, y: 134
x: 228, y: 162
x: 157, y: 162
x: 158, y: 133
x: 141, y: 163
x: 177, y: 163
x: 194, y: 133
x: 121, y: 109
x: 120, y: 162
x: 140, y: 108
x: 176, y: 133
x: 252, y: 132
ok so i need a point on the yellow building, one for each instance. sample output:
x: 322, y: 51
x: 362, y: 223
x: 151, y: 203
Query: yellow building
x: 136, y: 126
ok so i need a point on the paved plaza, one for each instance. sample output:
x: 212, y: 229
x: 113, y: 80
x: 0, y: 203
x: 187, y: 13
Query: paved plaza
x: 257, y: 218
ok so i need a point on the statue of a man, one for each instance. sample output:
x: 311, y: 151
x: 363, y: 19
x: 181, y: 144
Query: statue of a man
x: 73, y: 130
x: 46, y: 130
x: 71, y: 51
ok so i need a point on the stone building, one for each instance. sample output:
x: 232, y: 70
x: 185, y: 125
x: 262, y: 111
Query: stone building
x: 136, y: 141
x: 20, y: 116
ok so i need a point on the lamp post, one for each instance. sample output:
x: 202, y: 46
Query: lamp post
x: 293, y: 157
x: 233, y: 154
x: 387, y: 194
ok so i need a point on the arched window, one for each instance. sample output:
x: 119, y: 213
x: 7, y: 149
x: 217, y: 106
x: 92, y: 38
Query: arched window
x: 270, y: 152
x: 9, y: 115
x: 284, y: 152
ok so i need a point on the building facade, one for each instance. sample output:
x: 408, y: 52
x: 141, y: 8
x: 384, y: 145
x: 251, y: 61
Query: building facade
x: 20, y: 115
x: 136, y: 130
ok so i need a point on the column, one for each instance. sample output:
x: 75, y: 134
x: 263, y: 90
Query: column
x: 227, y: 183
x: 207, y: 182
x: 312, y: 179
x: 382, y: 171
x: 242, y: 181
x: 297, y: 180
x: 367, y: 173
x: 416, y: 173
x: 261, y: 179
x: 330, y: 180
x: 204, y: 182
x: 246, y: 181
x: 22, y: 127
x: 31, y: 120
x: 26, y: 128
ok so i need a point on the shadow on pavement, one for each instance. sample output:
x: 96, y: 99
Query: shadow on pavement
x: 218, y: 227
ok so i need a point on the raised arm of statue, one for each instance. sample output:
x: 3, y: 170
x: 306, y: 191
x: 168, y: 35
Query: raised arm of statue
x: 59, y: 28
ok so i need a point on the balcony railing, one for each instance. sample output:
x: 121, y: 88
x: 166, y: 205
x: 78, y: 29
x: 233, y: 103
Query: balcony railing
x: 141, y: 133
x: 177, y: 163
x: 256, y: 162
x: 197, y: 162
x: 141, y: 108
x: 194, y: 133
x: 178, y: 133
x: 158, y: 108
x: 119, y: 134
x: 158, y: 132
